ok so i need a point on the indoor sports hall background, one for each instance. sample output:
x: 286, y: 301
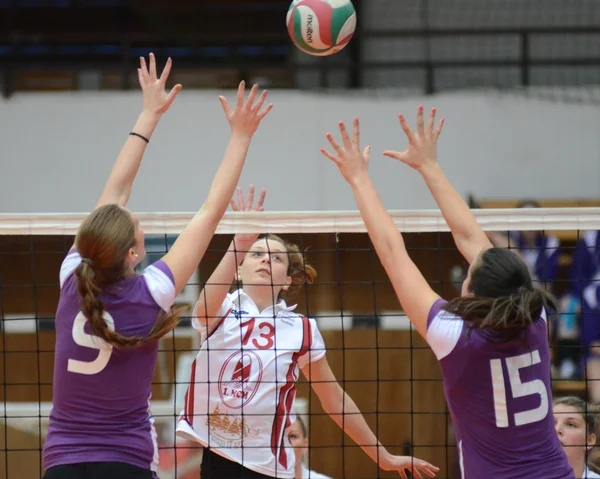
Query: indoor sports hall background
x: 518, y: 83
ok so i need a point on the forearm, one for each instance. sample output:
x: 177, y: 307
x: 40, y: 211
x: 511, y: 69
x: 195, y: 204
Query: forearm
x: 456, y: 212
x: 379, y: 223
x: 215, y: 290
x: 188, y: 250
x: 343, y: 410
x: 120, y: 181
x: 228, y: 175
x: 465, y: 228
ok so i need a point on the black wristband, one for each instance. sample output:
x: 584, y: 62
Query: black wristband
x: 140, y: 136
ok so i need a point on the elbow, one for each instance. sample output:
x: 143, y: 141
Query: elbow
x: 387, y: 247
x: 332, y: 401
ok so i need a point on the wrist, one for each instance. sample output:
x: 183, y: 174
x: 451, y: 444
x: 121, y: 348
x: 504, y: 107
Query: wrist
x: 428, y: 169
x: 149, y: 116
x: 360, y: 180
x: 241, y: 137
x: 383, y: 456
x: 240, y: 242
x: 146, y: 124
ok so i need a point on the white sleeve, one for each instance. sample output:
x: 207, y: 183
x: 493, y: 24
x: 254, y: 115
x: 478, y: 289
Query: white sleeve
x: 161, y: 287
x: 443, y: 330
x: 443, y: 335
x: 308, y: 474
x: 317, y: 348
x: 68, y: 266
x: 212, y: 322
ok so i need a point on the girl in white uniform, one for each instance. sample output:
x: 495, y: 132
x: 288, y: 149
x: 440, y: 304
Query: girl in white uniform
x: 575, y: 423
x: 243, y: 382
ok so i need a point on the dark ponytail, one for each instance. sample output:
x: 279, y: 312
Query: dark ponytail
x: 104, y: 240
x: 504, y: 297
x: 516, y: 311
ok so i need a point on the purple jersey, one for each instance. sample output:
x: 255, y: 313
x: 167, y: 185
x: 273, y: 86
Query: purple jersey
x: 101, y: 397
x: 499, y: 396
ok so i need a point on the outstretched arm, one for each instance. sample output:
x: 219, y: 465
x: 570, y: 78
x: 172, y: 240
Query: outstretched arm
x: 343, y: 410
x: 185, y: 255
x: 214, y: 292
x: 413, y: 291
x: 421, y: 155
x: 156, y: 102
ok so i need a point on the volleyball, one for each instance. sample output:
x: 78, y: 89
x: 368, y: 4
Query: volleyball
x: 321, y: 27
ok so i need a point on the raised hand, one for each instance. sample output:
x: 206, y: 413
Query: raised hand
x: 156, y: 99
x: 421, y: 151
x: 247, y: 239
x: 351, y: 161
x: 246, y: 117
x: 408, y: 463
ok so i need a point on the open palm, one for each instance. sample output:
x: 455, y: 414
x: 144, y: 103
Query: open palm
x: 247, y: 115
x: 247, y: 239
x: 421, y: 150
x: 156, y: 99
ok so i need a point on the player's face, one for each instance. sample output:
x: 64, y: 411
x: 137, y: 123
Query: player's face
x: 297, y: 440
x: 266, y: 264
x: 570, y: 427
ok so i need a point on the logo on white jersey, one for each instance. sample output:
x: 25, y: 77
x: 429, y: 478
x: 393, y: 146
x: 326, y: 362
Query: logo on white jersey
x: 226, y: 430
x: 240, y: 378
x: 239, y: 314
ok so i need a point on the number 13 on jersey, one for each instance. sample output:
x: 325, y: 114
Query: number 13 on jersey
x: 267, y: 331
x: 518, y: 389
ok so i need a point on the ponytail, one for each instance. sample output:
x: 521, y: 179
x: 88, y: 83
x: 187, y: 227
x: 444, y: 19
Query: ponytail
x: 513, y: 312
x: 104, y: 239
x: 93, y: 310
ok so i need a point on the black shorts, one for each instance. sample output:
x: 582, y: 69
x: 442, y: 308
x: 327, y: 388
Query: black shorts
x: 98, y: 470
x: 215, y: 466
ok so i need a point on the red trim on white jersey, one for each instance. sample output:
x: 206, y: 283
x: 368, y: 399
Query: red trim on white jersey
x: 287, y: 395
x: 188, y: 413
x: 218, y: 325
x: 188, y: 409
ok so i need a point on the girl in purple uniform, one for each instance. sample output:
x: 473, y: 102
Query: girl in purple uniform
x: 492, y: 342
x: 109, y: 319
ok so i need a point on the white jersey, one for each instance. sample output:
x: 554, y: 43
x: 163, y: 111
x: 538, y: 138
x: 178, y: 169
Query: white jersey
x: 308, y: 474
x: 588, y: 474
x: 243, y: 382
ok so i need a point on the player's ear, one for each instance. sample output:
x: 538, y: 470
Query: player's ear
x: 288, y: 283
x: 591, y: 442
x: 132, y: 257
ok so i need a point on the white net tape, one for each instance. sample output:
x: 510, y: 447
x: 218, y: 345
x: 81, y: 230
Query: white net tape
x: 409, y: 221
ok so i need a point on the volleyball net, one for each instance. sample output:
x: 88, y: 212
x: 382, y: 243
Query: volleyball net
x: 373, y: 351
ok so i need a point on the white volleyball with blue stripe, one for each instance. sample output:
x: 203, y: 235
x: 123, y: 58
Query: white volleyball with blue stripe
x: 321, y: 27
